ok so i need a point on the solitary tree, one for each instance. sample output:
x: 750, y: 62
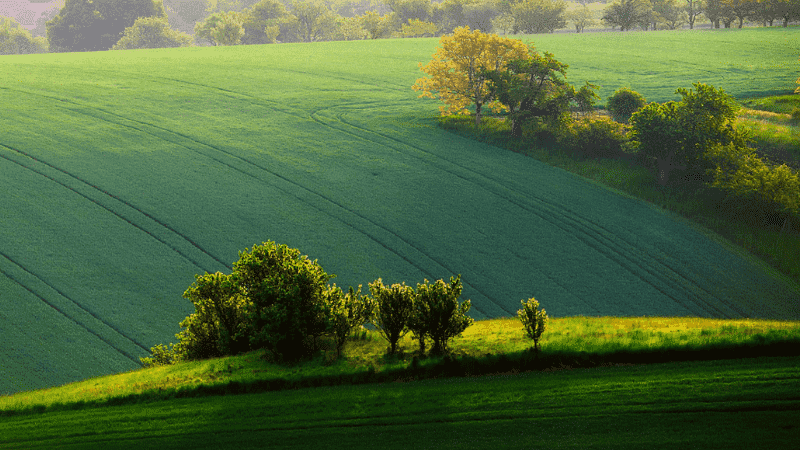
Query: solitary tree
x: 91, y: 25
x: 457, y: 70
x: 627, y: 14
x: 151, y: 32
x: 533, y: 319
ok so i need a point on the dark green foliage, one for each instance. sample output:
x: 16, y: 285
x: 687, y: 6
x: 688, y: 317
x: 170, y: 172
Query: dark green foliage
x: 394, y: 310
x: 623, y: 103
x: 258, y: 20
x: 285, y: 311
x: 533, y: 319
x: 218, y: 302
x: 92, y: 25
x: 437, y: 313
x: 535, y: 89
x: 677, y: 134
x: 347, y: 312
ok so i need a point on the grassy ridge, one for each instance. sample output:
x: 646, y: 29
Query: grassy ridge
x: 126, y: 173
x: 730, y: 404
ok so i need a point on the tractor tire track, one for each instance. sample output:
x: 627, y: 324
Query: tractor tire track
x: 96, y: 202
x: 592, y: 237
x: 409, y: 260
x: 78, y: 322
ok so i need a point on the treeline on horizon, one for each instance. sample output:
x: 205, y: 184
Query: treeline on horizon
x: 84, y: 25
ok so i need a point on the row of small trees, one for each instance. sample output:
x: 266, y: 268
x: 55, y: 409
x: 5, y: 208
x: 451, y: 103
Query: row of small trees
x: 279, y: 300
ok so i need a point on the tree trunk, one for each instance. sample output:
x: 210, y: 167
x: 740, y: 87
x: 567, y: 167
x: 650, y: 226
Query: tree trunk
x: 477, y: 114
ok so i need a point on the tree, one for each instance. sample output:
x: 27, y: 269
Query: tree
x: 349, y: 29
x: 677, y: 134
x: 405, y: 10
x: 670, y: 13
x: 742, y: 9
x: 788, y: 10
x: 714, y: 11
x: 221, y: 28
x: 418, y: 28
x: 92, y: 25
x: 533, y: 319
x: 14, y: 39
x: 315, y: 20
x: 394, y: 306
x: 694, y: 8
x: 535, y: 88
x: 347, y: 311
x: 623, y: 103
x: 377, y: 26
x: 627, y: 14
x: 481, y: 15
x: 581, y: 17
x: 261, y: 22
x: 539, y: 16
x: 455, y: 72
x: 504, y: 22
x: 151, y: 32
x: 437, y: 313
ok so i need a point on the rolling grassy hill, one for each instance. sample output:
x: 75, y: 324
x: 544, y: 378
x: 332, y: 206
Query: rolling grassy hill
x: 126, y: 173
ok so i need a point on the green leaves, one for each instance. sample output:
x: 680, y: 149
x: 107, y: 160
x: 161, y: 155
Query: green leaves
x: 534, y: 320
x: 438, y: 314
x: 395, y: 305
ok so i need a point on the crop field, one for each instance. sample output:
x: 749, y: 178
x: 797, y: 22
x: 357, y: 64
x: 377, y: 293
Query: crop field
x: 126, y: 173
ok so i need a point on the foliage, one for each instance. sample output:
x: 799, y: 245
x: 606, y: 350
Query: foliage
x: 377, y: 26
x: 626, y: 14
x: 315, y: 20
x: 597, y: 137
x: 347, y: 312
x: 84, y: 25
x: 285, y: 311
x: 15, y: 40
x: 481, y: 15
x: 161, y: 355
x: 741, y: 172
x: 623, y: 103
x: 533, y: 319
x: 151, y: 32
x: 581, y: 18
x: 418, y: 28
x: 677, y: 134
x: 535, y: 88
x: 456, y: 72
x: 394, y: 308
x: 405, y: 10
x: 538, y: 16
x: 437, y: 313
x: 221, y: 28
x: 349, y: 29
x: 261, y: 22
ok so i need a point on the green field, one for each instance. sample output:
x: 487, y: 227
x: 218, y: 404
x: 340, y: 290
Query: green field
x: 126, y: 173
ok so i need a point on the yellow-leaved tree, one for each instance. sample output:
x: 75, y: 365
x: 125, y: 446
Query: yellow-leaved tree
x: 456, y: 72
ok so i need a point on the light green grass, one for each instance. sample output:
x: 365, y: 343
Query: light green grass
x: 586, y: 341
x: 126, y: 173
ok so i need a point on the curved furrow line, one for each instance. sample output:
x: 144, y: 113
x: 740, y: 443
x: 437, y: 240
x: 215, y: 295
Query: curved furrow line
x: 173, y: 248
x: 70, y: 317
x: 115, y: 197
x: 623, y: 258
x: 276, y: 175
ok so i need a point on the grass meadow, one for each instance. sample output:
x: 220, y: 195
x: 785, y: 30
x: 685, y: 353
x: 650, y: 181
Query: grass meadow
x: 126, y: 173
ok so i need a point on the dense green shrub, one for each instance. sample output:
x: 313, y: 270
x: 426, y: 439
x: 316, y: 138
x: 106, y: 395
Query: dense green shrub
x: 534, y: 320
x: 597, y: 137
x: 394, y: 310
x: 438, y: 314
x: 285, y: 312
x: 677, y: 134
x: 623, y: 103
x: 347, y: 312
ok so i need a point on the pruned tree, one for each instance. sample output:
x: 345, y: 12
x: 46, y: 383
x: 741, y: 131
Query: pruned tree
x: 394, y: 307
x: 693, y: 8
x: 438, y: 315
x: 533, y: 319
x: 457, y: 70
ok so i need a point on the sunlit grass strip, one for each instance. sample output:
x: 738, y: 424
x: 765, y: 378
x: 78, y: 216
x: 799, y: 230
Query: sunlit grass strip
x: 489, y: 346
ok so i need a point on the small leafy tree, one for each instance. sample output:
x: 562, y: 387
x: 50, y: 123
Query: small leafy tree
x: 627, y: 14
x: 347, y: 312
x: 151, y: 32
x: 623, y: 103
x: 538, y: 16
x: 533, y: 319
x: 377, y: 26
x: 438, y: 314
x: 394, y: 310
x: 457, y: 70
x: 285, y: 312
x: 221, y: 28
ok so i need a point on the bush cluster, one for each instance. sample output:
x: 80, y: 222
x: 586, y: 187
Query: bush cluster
x: 623, y: 103
x: 279, y: 300
x: 595, y: 137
